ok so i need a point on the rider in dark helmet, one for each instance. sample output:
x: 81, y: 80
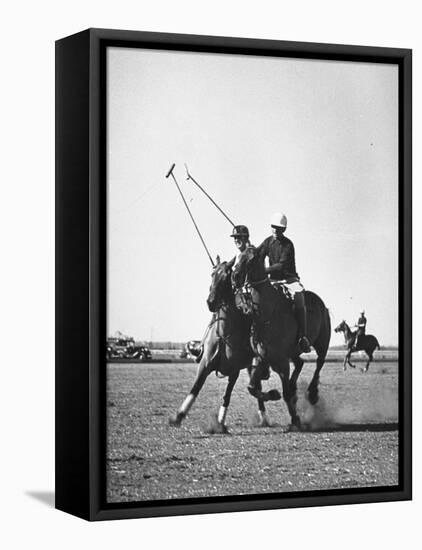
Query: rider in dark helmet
x: 240, y: 235
x: 282, y: 267
x: 259, y: 370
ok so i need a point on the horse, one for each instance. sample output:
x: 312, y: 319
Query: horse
x: 226, y: 348
x: 275, y: 328
x: 366, y: 342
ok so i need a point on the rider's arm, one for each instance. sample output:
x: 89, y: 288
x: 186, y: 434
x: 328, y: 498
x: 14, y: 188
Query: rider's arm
x: 263, y: 250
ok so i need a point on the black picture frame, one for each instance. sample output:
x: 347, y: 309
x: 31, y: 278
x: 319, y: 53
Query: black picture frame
x: 81, y: 272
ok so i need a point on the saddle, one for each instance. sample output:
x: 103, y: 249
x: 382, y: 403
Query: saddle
x: 245, y: 303
x: 281, y: 287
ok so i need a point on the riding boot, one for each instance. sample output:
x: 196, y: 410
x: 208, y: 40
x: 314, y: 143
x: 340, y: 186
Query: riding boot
x: 356, y: 343
x: 301, y: 318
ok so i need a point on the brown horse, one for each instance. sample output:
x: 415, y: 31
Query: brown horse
x: 226, y: 348
x: 275, y: 329
x: 367, y: 343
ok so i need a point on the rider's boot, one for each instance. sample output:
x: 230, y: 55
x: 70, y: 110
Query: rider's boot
x: 355, y: 344
x: 301, y: 318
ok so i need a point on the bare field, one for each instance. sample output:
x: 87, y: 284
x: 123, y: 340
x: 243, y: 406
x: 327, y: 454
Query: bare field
x: 352, y: 440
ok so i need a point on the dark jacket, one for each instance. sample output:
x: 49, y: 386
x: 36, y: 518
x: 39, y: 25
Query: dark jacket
x: 281, y: 255
x: 361, y: 325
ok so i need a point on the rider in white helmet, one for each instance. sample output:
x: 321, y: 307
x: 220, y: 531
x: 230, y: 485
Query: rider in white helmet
x: 361, y: 329
x: 282, y: 267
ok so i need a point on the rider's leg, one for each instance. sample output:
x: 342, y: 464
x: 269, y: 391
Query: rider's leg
x: 355, y: 346
x: 301, y: 318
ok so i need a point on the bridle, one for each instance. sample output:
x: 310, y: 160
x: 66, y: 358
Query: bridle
x: 243, y: 295
x: 222, y: 305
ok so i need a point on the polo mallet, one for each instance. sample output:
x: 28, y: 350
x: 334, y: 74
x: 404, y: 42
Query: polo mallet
x: 190, y: 177
x: 170, y: 173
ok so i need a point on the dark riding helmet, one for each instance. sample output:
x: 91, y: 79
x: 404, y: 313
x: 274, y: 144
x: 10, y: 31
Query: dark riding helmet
x: 240, y: 231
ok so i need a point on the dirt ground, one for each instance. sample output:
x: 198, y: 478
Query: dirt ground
x: 352, y: 440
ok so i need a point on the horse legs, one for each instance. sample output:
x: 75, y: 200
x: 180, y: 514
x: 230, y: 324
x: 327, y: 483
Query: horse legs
x: 263, y: 418
x: 289, y: 397
x: 254, y: 386
x: 370, y: 358
x: 221, y: 418
x: 203, y: 372
x: 347, y: 360
x: 298, y: 363
x: 313, y: 393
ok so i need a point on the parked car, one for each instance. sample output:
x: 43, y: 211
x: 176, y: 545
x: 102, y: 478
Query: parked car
x: 191, y: 350
x: 127, y: 348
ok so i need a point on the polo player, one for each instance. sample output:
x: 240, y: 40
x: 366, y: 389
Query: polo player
x: 361, y: 329
x: 282, y: 268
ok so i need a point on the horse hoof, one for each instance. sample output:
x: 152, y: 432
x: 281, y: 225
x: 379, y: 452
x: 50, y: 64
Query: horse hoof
x: 264, y: 423
x: 313, y: 398
x: 272, y: 395
x: 217, y: 428
x: 294, y: 428
x: 176, y: 420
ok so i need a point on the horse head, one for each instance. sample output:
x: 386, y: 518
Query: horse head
x: 220, y: 289
x: 249, y: 268
x: 341, y: 327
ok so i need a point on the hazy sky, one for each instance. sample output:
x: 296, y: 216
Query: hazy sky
x: 317, y: 140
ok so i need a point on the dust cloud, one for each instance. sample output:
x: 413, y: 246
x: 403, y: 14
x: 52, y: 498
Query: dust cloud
x: 327, y: 413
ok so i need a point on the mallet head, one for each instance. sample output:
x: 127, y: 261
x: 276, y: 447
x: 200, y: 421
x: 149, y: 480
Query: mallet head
x: 171, y: 170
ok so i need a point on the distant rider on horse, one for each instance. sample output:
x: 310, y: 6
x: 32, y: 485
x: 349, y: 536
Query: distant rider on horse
x: 361, y: 329
x: 282, y: 268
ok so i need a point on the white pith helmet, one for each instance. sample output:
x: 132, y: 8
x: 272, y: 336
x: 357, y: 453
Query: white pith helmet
x: 278, y: 220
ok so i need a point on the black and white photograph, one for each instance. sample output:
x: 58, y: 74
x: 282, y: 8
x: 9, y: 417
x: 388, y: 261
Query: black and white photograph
x: 210, y: 284
x: 252, y: 297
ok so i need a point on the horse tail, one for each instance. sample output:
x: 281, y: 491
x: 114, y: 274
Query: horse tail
x: 377, y: 343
